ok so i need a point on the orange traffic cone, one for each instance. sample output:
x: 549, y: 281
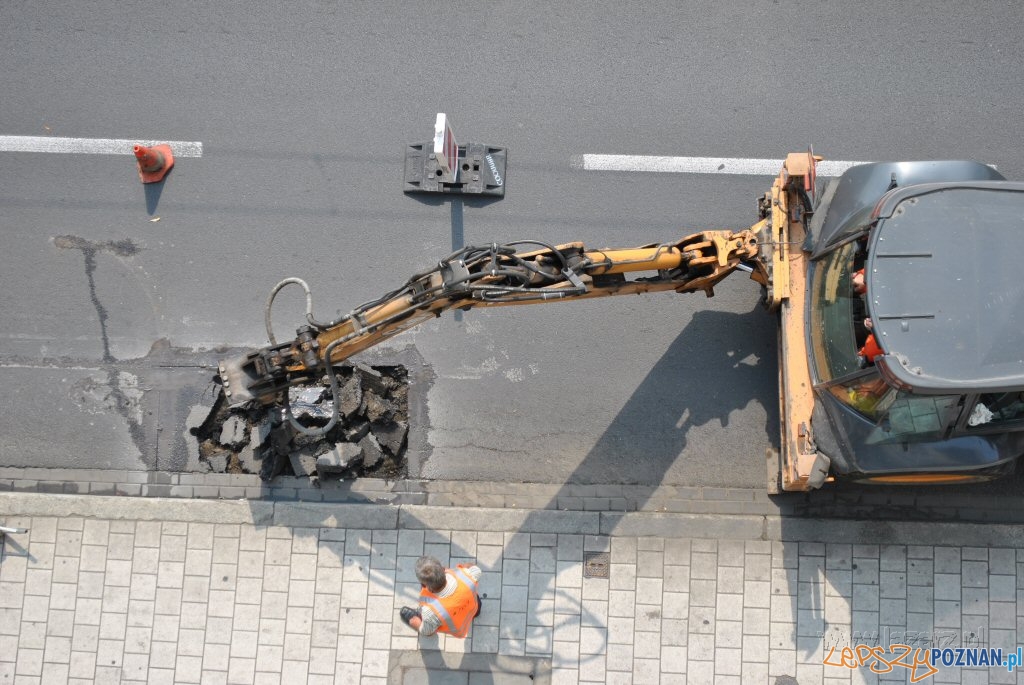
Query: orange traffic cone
x: 154, y: 162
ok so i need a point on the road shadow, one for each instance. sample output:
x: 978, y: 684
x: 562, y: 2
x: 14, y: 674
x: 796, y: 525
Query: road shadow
x: 152, y: 192
x: 718, y: 364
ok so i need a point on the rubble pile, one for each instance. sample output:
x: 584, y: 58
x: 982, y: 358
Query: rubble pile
x: 369, y: 438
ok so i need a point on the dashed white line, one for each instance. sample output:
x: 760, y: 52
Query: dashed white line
x: 697, y: 165
x: 94, y: 146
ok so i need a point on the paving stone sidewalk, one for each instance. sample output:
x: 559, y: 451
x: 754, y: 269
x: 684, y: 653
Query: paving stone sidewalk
x: 114, y: 599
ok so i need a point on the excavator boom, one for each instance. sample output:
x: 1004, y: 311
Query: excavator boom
x: 529, y: 272
x: 491, y: 276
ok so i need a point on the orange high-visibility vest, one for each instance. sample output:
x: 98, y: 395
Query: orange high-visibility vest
x: 457, y: 610
x: 871, y: 348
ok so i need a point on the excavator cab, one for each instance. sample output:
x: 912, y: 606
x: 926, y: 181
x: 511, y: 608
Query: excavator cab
x: 941, y: 398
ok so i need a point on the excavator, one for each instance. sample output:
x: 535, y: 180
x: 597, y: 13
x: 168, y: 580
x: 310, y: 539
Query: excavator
x: 895, y: 288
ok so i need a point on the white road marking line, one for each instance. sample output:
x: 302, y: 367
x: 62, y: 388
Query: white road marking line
x: 697, y: 165
x: 95, y: 146
x: 49, y: 367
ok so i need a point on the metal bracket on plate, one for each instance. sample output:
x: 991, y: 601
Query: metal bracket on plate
x: 481, y: 170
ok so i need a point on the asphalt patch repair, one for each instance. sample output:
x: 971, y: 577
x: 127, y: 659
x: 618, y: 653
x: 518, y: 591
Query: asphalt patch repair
x: 369, y: 439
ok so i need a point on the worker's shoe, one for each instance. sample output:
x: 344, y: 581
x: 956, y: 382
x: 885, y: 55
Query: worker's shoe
x: 407, y: 613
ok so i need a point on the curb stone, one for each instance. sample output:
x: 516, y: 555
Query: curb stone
x: 538, y: 521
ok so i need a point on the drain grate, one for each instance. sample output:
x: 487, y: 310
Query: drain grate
x: 596, y: 564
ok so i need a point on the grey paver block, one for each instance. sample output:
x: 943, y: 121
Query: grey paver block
x: 514, y: 599
x: 621, y: 603
x: 974, y: 573
x: 920, y: 572
x: 730, y: 579
x: 947, y: 586
x: 677, y: 552
x: 701, y: 619
x: 703, y: 593
x: 1002, y: 588
x: 865, y: 598
x: 757, y: 567
x: 920, y: 599
x: 947, y: 614
x: 515, y: 572
x: 649, y: 590
x: 811, y: 569
x: 647, y: 618
x: 1002, y: 615
x: 892, y: 612
x: 837, y: 610
x: 974, y: 553
x: 568, y: 601
x: 569, y: 574
x: 974, y: 601
x: 675, y: 604
x: 810, y: 596
x: 1001, y: 561
x: 893, y: 584
x: 703, y: 566
x: 947, y: 560
x: 731, y: 552
x: 676, y: 578
x: 542, y: 586
x: 785, y: 554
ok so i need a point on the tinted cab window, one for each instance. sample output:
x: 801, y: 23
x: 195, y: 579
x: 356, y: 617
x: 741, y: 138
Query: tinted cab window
x: 898, y: 416
x: 999, y: 410
x: 832, y: 337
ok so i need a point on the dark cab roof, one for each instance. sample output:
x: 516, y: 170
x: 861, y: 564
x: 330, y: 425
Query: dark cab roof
x: 945, y: 277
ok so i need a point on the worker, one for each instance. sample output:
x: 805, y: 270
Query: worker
x: 859, y: 286
x: 448, y: 598
x: 865, y: 397
x: 870, y: 349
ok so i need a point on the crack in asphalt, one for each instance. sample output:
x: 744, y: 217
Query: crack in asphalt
x: 123, y: 401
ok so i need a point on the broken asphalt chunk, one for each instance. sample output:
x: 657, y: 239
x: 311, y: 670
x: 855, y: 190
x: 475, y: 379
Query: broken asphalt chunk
x: 281, y: 439
x: 356, y: 431
x: 339, y: 458
x: 372, y: 452
x: 374, y: 381
x: 390, y: 434
x: 351, y: 396
x: 303, y: 462
x: 197, y: 416
x: 271, y: 465
x: 219, y: 462
x: 261, y: 431
x: 379, y: 408
x: 234, y: 433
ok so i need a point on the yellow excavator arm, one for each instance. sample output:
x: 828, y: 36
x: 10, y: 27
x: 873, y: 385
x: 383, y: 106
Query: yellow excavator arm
x: 528, y: 272
x: 491, y: 276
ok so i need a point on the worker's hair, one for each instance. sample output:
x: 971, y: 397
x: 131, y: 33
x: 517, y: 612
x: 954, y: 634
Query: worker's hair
x: 430, y: 572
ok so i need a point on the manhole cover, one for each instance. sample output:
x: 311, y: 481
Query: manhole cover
x: 595, y: 564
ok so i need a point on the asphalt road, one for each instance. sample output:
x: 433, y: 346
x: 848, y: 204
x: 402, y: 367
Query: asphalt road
x: 304, y: 109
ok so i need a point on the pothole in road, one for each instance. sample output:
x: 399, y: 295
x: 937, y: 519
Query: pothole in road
x: 369, y: 439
